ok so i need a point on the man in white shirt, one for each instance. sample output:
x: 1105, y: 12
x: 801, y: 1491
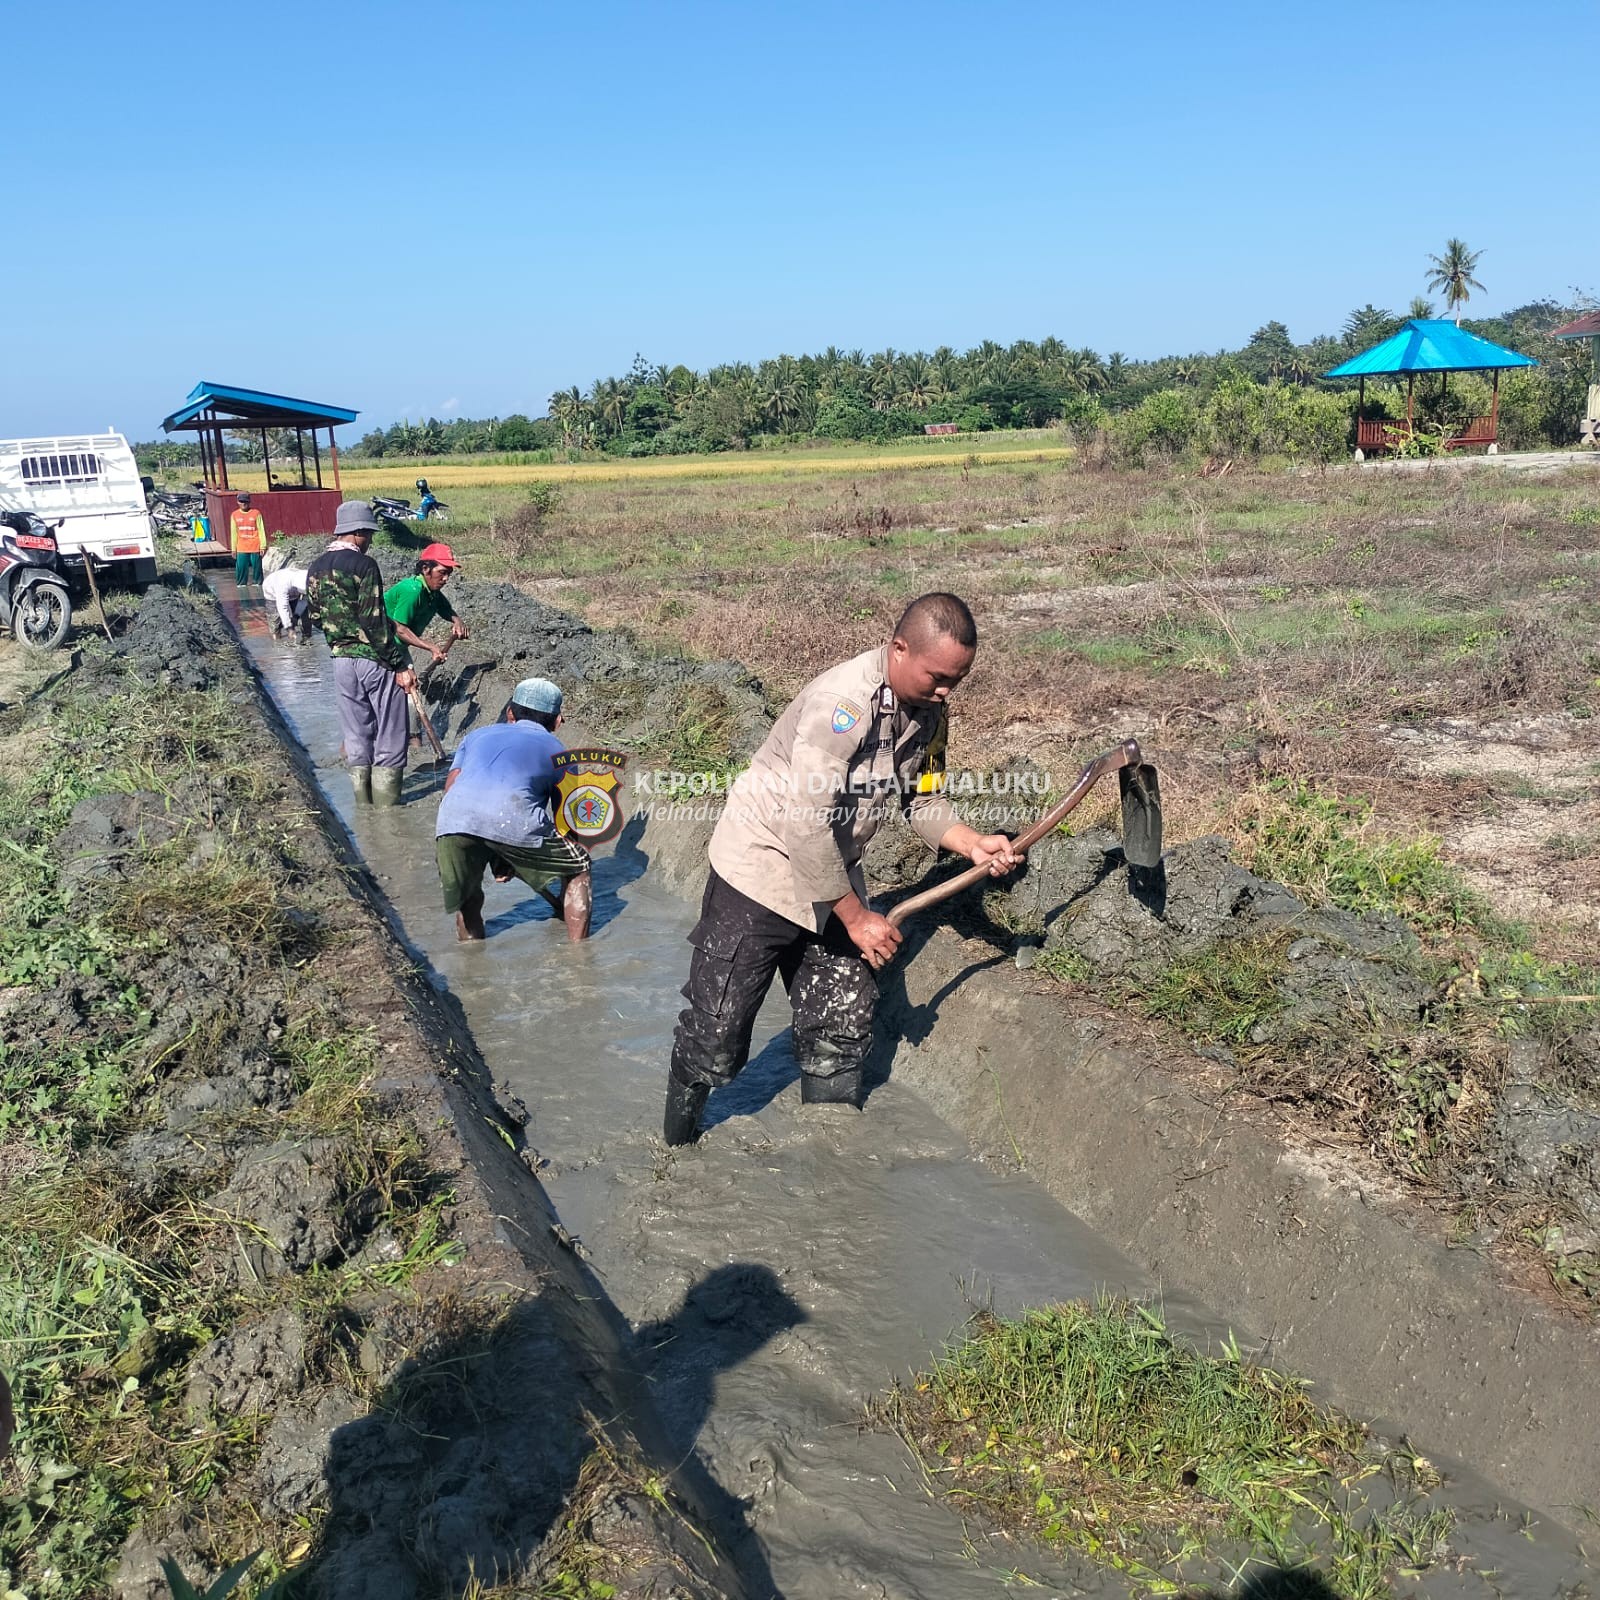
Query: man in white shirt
x: 284, y: 590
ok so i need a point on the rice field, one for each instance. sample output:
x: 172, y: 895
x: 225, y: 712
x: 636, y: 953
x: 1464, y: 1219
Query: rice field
x: 399, y: 477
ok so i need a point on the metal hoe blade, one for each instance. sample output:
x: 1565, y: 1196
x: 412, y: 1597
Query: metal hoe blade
x: 1141, y: 815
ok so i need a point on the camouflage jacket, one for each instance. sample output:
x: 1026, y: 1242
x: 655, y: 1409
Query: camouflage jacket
x: 344, y: 597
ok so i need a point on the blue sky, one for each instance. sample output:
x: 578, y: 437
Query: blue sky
x: 458, y: 208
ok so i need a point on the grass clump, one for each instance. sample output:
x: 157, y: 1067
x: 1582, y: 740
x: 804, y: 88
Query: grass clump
x: 1092, y: 1429
x: 1225, y: 993
x: 704, y: 732
x: 1326, y: 850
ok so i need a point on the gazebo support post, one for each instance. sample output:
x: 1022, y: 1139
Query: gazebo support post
x: 316, y: 451
x: 300, y: 450
x: 1494, y: 410
x: 222, y: 459
x: 333, y: 450
x: 1411, y: 394
x: 266, y: 460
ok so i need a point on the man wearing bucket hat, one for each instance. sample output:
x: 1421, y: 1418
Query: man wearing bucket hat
x: 498, y: 811
x: 415, y: 601
x: 371, y: 664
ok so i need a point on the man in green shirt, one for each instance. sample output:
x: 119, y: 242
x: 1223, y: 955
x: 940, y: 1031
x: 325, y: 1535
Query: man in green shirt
x: 415, y: 601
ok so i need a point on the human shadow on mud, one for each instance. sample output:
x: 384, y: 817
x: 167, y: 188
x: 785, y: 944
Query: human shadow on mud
x: 723, y: 1320
x: 1276, y: 1583
x: 767, y: 1075
x: 483, y: 1442
x: 902, y: 1020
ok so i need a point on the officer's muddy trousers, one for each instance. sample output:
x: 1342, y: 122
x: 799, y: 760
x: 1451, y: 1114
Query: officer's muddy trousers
x: 739, y: 946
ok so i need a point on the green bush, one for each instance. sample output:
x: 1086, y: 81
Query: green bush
x: 1243, y: 418
x: 1162, y: 425
x: 1320, y: 426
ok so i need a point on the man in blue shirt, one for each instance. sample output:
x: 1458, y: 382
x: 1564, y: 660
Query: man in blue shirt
x: 498, y: 811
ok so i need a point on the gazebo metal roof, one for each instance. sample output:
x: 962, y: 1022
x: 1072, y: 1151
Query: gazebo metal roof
x: 252, y: 408
x: 1430, y: 344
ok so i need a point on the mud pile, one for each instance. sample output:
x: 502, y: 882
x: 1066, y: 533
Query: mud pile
x: 698, y: 714
x: 317, y: 1134
x: 1342, y: 1003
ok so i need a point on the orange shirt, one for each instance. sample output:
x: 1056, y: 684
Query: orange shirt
x: 248, y: 532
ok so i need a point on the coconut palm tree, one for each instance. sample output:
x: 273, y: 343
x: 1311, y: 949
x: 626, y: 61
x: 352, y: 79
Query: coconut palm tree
x: 1421, y: 307
x: 610, y: 397
x: 1452, y: 277
x: 1081, y: 370
x: 780, y: 397
x: 919, y: 386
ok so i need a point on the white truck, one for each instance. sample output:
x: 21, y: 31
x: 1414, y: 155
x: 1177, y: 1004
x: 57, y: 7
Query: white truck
x: 86, y: 489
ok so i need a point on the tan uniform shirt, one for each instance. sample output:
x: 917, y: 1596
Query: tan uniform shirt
x: 836, y: 762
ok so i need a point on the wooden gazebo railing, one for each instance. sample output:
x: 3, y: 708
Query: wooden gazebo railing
x: 1383, y: 433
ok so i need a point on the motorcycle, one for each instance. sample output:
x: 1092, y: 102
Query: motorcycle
x: 35, y: 601
x: 386, y: 509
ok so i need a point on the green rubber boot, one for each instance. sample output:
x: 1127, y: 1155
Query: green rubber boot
x: 386, y: 785
x: 361, y: 782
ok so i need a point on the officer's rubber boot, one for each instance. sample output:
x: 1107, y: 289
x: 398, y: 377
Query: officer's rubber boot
x: 386, y: 785
x: 685, y: 1102
x: 361, y: 782
x: 842, y: 1089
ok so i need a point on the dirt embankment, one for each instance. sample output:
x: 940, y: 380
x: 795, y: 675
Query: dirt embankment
x: 276, y: 1272
x: 687, y: 714
x: 1313, y: 1119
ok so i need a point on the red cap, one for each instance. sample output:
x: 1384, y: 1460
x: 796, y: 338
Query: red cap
x: 439, y: 555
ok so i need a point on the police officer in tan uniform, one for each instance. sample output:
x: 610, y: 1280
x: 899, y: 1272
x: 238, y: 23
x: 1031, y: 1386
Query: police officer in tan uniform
x: 787, y: 895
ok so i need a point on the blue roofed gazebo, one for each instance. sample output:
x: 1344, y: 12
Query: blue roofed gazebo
x: 1428, y: 344
x: 290, y: 508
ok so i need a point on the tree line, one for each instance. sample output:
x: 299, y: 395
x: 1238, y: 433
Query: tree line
x: 655, y: 409
x: 1264, y: 397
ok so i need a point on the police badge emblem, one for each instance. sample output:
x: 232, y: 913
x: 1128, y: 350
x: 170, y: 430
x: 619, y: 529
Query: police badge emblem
x: 589, y: 794
x: 845, y: 716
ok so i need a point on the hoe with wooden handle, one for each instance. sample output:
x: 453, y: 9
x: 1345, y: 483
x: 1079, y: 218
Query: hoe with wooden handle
x: 420, y: 706
x: 1141, y: 823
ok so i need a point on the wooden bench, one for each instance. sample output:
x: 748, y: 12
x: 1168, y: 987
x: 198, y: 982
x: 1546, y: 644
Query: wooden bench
x: 1379, y: 433
x: 1480, y: 433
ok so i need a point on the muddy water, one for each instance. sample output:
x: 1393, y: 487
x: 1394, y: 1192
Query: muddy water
x: 787, y: 1267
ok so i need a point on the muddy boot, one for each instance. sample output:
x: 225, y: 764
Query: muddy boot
x: 842, y: 1089
x: 386, y: 785
x: 361, y: 782
x: 685, y: 1102
x: 469, y: 920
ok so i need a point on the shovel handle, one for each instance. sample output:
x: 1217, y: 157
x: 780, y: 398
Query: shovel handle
x: 1126, y: 754
x: 421, y: 708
